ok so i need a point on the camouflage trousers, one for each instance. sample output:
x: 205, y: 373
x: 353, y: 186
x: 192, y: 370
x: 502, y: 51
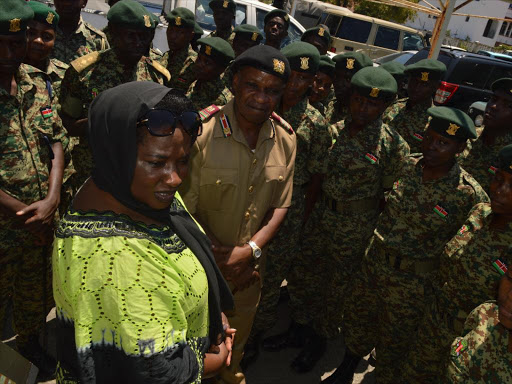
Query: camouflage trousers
x: 24, y: 271
x: 384, y: 311
x: 333, y: 245
x: 282, y: 253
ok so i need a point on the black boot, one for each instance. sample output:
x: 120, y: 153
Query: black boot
x: 344, y: 374
x: 251, y: 351
x: 312, y: 352
x: 293, y: 337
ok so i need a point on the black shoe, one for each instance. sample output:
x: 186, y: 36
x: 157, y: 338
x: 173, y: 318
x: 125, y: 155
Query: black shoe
x: 294, y: 337
x: 344, y: 374
x: 312, y: 352
x: 251, y: 353
x: 34, y: 353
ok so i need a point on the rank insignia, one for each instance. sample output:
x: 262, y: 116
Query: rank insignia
x: 424, y: 76
x: 94, y: 92
x: 254, y: 36
x: 463, y: 230
x: 226, y: 126
x: 374, y: 92
x: 371, y: 158
x: 492, y: 170
x: 440, y: 211
x: 417, y: 137
x: 15, y: 25
x: 208, y: 50
x: 458, y: 348
x: 452, y: 129
x: 225, y: 4
x: 396, y: 184
x: 350, y: 63
x: 321, y: 31
x: 500, y: 266
x: 50, y: 17
x: 208, y: 111
x: 46, y: 112
x: 177, y: 20
x: 147, y: 21
x: 278, y: 66
x: 304, y: 63
x: 283, y: 122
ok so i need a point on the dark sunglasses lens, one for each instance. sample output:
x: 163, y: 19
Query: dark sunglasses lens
x: 192, y: 123
x: 161, y: 123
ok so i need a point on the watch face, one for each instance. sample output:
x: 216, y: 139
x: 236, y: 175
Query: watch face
x: 257, y: 253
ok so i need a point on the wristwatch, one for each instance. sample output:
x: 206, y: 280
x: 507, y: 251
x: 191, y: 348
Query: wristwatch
x: 256, y: 251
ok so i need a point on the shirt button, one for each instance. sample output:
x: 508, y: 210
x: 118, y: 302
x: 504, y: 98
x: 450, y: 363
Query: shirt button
x: 247, y: 215
x: 280, y: 178
x: 218, y: 182
x: 251, y: 188
x: 254, y: 161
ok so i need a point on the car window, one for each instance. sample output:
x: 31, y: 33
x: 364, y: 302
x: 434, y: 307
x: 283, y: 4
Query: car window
x: 412, y: 42
x: 241, y: 14
x: 354, y: 30
x: 470, y: 73
x: 498, y: 72
x: 332, y: 22
x: 387, y: 38
x: 402, y: 59
x: 204, y: 15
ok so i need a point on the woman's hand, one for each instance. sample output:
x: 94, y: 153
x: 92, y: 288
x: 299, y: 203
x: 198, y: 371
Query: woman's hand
x: 230, y: 337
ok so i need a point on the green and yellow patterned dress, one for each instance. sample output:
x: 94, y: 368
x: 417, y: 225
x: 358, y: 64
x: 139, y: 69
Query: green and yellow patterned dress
x: 132, y: 302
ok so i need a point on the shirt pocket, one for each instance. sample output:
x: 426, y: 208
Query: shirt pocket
x: 275, y: 178
x: 218, y: 189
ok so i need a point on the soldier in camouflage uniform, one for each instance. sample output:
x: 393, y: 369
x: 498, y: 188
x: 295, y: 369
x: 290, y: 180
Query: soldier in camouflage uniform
x: 223, y: 15
x: 480, y: 158
x: 428, y: 204
x: 31, y: 168
x: 471, y: 267
x: 313, y: 141
x: 213, y: 59
x: 75, y: 38
x: 87, y: 76
x: 347, y: 65
x: 409, y: 116
x: 321, y: 91
x: 276, y: 24
x: 180, y: 58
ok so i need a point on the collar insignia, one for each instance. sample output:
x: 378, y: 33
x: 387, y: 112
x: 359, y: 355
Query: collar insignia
x: 254, y: 36
x: 350, y: 63
x: 424, y: 76
x: 50, y: 17
x: 278, y: 66
x: 321, y: 31
x: 225, y: 4
x: 147, y: 21
x: 15, y: 25
x: 208, y: 50
x: 374, y: 92
x: 177, y: 20
x: 304, y: 63
x: 452, y: 129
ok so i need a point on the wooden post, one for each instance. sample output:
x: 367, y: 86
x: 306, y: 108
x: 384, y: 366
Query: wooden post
x: 440, y: 29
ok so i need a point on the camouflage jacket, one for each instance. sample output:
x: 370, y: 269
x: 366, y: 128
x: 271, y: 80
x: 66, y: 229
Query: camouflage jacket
x: 409, y: 122
x: 84, y: 40
x: 362, y: 166
x: 420, y: 216
x: 470, y: 263
x: 480, y: 159
x: 181, y: 68
x: 56, y: 70
x: 313, y: 140
x: 28, y: 124
x: 481, y: 355
x: 334, y: 115
x: 211, y: 92
x: 229, y: 38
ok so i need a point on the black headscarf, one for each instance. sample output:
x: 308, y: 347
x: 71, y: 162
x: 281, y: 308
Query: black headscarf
x: 112, y: 136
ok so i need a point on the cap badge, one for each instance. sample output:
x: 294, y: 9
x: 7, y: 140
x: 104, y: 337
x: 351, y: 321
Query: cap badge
x: 50, y: 17
x: 15, y: 25
x: 208, y: 50
x: 350, y: 63
x: 177, y: 20
x: 321, y: 31
x: 225, y: 4
x: 304, y: 63
x: 254, y: 36
x: 424, y: 76
x: 452, y: 129
x: 286, y: 18
x: 374, y: 92
x: 278, y: 66
x: 147, y: 21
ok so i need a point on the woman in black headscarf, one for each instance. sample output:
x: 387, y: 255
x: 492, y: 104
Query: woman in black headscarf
x: 139, y: 297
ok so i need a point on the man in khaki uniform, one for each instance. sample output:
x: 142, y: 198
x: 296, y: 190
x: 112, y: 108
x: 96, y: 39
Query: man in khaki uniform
x: 240, y: 182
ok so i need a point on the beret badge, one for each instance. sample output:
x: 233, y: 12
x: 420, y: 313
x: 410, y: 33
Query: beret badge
x: 424, y: 76
x: 374, y: 92
x: 304, y: 63
x: 278, y: 66
x: 50, y: 17
x: 15, y: 25
x: 147, y: 21
x: 452, y: 129
x: 208, y: 50
x: 350, y: 63
x: 321, y: 31
x: 225, y: 4
x: 177, y: 20
x: 254, y: 36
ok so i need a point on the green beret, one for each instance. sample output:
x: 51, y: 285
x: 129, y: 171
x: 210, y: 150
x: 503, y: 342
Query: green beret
x: 505, y: 158
x: 504, y: 84
x: 374, y: 82
x: 14, y: 16
x: 181, y: 17
x: 248, y: 32
x: 303, y: 57
x: 131, y: 14
x: 230, y: 5
x: 277, y: 13
x: 352, y: 61
x: 266, y: 59
x: 318, y: 31
x: 44, y: 14
x: 452, y: 123
x: 395, y: 68
x: 426, y: 69
x: 198, y: 30
x: 327, y: 66
x: 217, y: 48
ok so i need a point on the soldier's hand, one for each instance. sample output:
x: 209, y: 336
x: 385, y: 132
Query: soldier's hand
x: 40, y: 213
x: 221, y: 253
x: 236, y: 261
x: 246, y: 278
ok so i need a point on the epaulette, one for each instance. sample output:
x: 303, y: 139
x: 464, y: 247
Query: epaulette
x: 95, y: 30
x: 159, y: 67
x: 85, y: 61
x: 282, y: 122
x: 208, y: 111
x: 59, y: 64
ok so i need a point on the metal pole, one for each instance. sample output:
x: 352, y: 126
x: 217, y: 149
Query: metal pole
x: 440, y: 29
x: 294, y: 7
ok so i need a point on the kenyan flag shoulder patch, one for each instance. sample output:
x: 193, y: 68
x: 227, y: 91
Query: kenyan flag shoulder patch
x: 463, y: 230
x: 46, y: 112
x: 371, y: 158
x: 459, y: 347
x: 500, y: 266
x: 418, y: 137
x: 492, y: 170
x: 440, y: 211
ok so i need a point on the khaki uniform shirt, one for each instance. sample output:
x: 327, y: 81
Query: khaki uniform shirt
x: 230, y: 188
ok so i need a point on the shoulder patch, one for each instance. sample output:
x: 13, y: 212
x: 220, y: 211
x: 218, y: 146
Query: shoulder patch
x: 459, y: 347
x: 95, y: 30
x: 282, y: 122
x: 160, y: 68
x: 85, y: 61
x: 208, y: 111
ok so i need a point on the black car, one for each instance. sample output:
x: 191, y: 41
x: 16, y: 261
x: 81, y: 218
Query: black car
x: 468, y: 77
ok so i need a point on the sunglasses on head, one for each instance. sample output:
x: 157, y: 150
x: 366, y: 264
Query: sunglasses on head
x: 162, y: 122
